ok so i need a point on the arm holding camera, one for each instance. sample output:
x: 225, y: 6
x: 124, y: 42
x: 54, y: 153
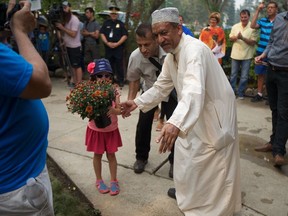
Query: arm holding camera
x: 70, y: 32
x: 24, y: 79
x: 21, y: 24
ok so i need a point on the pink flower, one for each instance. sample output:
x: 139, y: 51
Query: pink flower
x: 90, y: 67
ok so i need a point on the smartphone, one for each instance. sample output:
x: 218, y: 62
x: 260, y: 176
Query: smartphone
x: 35, y: 5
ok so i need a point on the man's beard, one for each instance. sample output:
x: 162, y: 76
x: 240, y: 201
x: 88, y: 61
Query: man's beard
x: 67, y: 17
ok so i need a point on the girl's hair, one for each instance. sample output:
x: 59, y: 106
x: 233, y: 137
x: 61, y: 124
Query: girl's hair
x: 216, y: 16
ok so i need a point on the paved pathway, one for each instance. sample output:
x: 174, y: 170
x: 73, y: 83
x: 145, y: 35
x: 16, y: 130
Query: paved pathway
x: 264, y: 187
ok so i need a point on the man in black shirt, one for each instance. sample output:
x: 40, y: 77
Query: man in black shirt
x: 114, y: 34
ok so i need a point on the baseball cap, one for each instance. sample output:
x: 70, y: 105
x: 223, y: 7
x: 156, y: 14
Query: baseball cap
x: 99, y: 66
x: 66, y: 3
x: 114, y: 9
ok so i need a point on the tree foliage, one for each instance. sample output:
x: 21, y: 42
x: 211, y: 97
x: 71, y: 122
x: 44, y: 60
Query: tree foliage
x: 215, y: 5
x: 229, y: 13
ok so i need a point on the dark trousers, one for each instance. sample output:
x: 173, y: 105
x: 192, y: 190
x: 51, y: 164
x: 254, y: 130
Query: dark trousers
x: 143, y: 134
x: 167, y: 108
x: 117, y: 67
x: 277, y: 89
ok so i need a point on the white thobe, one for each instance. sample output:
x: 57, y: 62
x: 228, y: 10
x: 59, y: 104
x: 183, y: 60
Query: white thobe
x: 206, y: 160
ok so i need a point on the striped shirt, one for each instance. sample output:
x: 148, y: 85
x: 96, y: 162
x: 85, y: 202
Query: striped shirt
x: 266, y: 27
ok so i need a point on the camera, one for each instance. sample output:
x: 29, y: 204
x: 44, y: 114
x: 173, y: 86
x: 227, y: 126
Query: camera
x: 3, y: 10
x: 4, y: 19
x: 55, y: 13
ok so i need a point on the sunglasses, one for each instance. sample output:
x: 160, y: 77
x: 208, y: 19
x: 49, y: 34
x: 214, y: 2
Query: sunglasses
x: 103, y: 75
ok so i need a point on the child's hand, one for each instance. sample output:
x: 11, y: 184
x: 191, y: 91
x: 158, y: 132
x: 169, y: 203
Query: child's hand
x: 127, y: 107
x: 114, y: 111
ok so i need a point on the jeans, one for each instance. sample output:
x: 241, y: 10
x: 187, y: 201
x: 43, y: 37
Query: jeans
x: 277, y: 90
x: 245, y: 67
x: 143, y: 134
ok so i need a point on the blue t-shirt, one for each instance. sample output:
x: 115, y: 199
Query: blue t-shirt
x: 187, y: 31
x: 43, y: 42
x: 23, y: 124
x: 265, y: 30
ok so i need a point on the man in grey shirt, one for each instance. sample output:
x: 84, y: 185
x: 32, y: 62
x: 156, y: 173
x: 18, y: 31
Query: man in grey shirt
x: 139, y: 67
x: 277, y: 86
x: 90, y: 33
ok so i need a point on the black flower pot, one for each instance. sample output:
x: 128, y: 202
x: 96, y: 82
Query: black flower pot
x: 102, y: 121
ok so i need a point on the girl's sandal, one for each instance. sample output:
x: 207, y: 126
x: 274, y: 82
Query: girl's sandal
x: 114, y: 188
x: 102, y: 188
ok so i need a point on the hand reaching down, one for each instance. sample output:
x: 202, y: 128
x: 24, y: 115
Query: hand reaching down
x: 167, y: 138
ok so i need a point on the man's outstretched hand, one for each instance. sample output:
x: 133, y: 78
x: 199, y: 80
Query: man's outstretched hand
x: 127, y: 107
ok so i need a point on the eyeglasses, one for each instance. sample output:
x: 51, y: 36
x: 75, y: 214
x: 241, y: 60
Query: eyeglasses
x: 213, y: 20
x: 103, y: 75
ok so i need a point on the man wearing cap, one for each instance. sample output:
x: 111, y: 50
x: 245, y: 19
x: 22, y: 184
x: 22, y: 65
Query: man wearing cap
x: 71, y: 38
x: 114, y: 34
x: 204, y: 123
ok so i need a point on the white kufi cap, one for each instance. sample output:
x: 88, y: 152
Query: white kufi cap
x: 169, y: 14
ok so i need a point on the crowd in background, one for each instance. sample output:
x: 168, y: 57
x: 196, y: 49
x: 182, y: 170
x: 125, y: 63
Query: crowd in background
x: 90, y: 43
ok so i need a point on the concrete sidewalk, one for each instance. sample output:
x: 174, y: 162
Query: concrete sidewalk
x: 264, y: 187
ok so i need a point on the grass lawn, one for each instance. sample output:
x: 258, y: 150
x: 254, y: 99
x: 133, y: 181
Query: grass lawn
x: 68, y: 199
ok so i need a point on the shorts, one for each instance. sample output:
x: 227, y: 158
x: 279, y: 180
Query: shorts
x: 75, y: 56
x: 99, y: 142
x: 260, y: 69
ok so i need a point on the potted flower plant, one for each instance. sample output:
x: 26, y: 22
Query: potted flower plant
x: 92, y: 99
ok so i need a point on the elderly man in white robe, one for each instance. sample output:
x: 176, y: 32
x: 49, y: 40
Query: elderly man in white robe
x: 204, y: 123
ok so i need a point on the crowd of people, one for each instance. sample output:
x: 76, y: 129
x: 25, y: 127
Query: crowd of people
x: 170, y: 67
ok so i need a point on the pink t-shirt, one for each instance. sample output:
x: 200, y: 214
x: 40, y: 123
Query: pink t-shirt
x: 74, y: 25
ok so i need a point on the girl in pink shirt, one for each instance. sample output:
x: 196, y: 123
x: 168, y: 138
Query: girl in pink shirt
x: 107, y: 139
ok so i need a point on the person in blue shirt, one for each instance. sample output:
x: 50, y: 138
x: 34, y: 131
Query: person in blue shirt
x: 24, y: 80
x: 43, y: 42
x: 186, y: 30
x: 265, y: 25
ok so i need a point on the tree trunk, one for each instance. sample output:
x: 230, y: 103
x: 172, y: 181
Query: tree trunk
x: 154, y: 5
x: 128, y: 12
